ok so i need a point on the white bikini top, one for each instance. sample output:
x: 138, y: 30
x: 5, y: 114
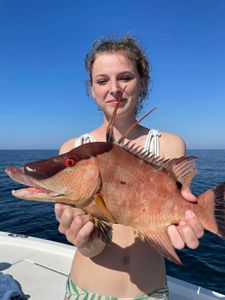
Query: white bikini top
x: 151, y: 142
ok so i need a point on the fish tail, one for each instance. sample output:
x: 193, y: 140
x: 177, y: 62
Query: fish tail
x: 213, y: 205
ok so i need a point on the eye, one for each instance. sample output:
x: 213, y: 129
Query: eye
x: 102, y: 81
x: 69, y: 162
x: 125, y: 78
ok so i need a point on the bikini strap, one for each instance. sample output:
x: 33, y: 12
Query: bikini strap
x: 84, y: 139
x: 152, y: 142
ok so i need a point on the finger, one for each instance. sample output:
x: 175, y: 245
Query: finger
x: 59, y: 208
x: 84, y: 235
x: 175, y: 237
x: 76, y: 225
x: 187, y: 194
x: 66, y: 219
x: 79, y: 232
x: 194, y: 222
x: 79, y: 222
x: 188, y: 235
x: 70, y: 214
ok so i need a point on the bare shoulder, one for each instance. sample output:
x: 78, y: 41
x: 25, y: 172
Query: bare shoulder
x: 67, y: 146
x: 171, y: 145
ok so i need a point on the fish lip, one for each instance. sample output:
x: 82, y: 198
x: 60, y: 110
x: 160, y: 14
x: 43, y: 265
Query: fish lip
x: 34, y: 191
x: 18, y: 175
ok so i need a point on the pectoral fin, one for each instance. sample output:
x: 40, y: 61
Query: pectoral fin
x: 104, y: 230
x: 101, y: 205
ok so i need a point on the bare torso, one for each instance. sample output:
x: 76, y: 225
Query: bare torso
x: 126, y: 268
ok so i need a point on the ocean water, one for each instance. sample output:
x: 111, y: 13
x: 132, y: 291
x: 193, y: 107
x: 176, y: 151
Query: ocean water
x: 204, y: 266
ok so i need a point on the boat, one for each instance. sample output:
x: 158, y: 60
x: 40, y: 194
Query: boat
x: 36, y: 263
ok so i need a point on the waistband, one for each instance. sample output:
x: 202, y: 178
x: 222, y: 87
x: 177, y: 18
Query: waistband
x: 73, y: 292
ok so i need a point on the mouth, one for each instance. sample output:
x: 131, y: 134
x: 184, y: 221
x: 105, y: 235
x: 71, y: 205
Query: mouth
x: 34, y: 191
x: 115, y: 101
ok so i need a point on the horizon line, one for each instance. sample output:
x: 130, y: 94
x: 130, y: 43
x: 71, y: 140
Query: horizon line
x: 56, y: 149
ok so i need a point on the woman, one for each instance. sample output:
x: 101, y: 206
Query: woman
x: 128, y: 268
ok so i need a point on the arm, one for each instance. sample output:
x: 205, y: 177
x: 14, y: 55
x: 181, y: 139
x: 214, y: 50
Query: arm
x: 189, y: 230
x: 77, y: 226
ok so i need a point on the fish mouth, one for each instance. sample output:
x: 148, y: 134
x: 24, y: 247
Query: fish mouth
x: 34, y: 191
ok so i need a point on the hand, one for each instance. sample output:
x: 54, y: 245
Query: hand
x: 74, y: 223
x: 78, y: 228
x: 188, y: 231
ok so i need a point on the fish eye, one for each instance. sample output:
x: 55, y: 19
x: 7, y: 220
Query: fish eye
x: 69, y: 161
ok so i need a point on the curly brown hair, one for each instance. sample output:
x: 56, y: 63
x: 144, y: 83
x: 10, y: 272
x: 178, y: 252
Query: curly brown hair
x: 130, y: 47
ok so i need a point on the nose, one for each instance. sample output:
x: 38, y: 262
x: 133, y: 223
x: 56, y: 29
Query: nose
x: 115, y: 89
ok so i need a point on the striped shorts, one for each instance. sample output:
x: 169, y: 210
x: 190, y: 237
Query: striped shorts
x: 75, y: 293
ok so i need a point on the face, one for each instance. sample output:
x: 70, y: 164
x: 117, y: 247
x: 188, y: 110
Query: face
x: 111, y: 72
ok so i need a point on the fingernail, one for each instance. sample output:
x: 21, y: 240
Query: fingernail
x: 189, y: 214
x: 182, y: 223
x: 193, y: 198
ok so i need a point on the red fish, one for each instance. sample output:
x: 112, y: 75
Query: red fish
x: 117, y: 182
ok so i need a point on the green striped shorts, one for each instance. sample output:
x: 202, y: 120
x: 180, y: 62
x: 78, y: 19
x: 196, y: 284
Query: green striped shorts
x: 75, y: 293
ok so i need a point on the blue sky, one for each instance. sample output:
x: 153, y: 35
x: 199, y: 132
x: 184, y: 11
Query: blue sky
x: 43, y: 44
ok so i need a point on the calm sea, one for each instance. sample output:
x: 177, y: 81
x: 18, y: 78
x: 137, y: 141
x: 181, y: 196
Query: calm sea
x: 204, y: 266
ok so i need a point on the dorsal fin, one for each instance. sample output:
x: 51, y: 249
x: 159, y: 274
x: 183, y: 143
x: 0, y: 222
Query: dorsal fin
x: 109, y: 131
x: 183, y: 168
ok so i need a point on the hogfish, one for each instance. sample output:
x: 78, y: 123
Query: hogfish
x: 117, y: 182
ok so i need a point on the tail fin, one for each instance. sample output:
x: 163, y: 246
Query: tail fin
x: 213, y: 203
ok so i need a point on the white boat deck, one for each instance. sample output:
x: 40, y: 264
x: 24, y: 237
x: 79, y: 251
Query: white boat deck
x: 41, y: 267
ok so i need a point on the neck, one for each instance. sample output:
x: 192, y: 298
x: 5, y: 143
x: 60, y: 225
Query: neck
x: 121, y: 125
